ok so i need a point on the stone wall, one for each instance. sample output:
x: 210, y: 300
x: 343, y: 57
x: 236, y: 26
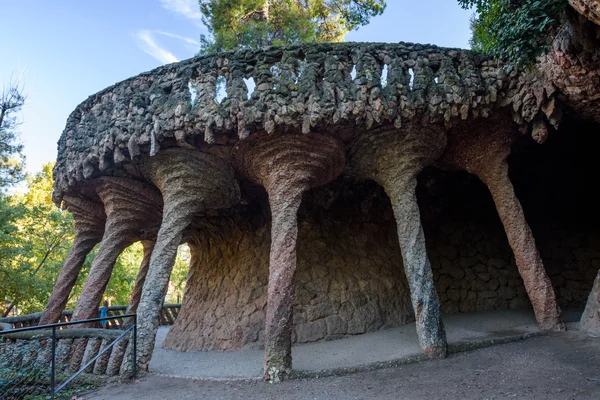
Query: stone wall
x: 347, y: 282
x: 350, y: 278
x: 74, y: 349
x: 342, y: 89
x: 474, y: 267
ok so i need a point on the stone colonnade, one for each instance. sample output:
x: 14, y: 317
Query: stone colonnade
x: 484, y: 152
x: 89, y: 218
x: 394, y: 160
x: 286, y: 167
x: 192, y: 183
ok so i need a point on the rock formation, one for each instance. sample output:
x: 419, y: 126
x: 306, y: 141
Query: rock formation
x: 297, y: 157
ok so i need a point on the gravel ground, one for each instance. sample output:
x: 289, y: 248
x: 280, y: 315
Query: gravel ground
x: 557, y: 366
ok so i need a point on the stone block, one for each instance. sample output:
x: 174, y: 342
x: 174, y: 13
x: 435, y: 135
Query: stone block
x: 311, y: 331
x: 447, y: 251
x: 320, y: 310
x: 467, y: 262
x: 336, y: 325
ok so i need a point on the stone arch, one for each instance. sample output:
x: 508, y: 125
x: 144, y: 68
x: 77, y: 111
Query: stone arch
x: 349, y: 278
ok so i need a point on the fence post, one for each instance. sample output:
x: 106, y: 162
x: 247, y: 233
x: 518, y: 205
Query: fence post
x: 134, y: 366
x: 53, y: 365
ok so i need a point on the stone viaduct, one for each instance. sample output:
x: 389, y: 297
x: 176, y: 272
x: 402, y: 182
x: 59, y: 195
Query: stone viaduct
x: 158, y: 158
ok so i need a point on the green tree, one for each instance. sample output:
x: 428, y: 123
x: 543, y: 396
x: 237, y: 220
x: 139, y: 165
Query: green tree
x: 11, y: 156
x: 35, y: 237
x: 257, y: 23
x: 127, y: 267
x: 517, y: 31
x: 124, y: 274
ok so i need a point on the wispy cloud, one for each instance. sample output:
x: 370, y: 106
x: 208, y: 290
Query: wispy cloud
x: 187, y: 8
x: 182, y: 38
x: 147, y: 43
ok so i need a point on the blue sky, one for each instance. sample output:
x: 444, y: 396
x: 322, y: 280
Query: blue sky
x: 66, y: 50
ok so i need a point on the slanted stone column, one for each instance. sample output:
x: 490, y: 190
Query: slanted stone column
x: 286, y: 166
x: 590, y: 320
x: 482, y: 150
x: 133, y: 212
x: 191, y: 183
x: 136, y: 294
x: 89, y: 220
x: 394, y: 159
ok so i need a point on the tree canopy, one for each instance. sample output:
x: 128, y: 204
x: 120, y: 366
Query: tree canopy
x: 11, y: 157
x: 257, y: 23
x: 517, y: 31
x: 35, y: 238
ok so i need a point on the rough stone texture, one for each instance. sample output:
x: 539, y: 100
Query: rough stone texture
x: 89, y: 218
x: 292, y: 133
x: 588, y: 8
x: 348, y: 281
x: 394, y: 160
x: 572, y: 63
x: 191, y: 183
x: 484, y: 155
x: 133, y: 211
x: 590, y: 320
x: 155, y: 110
x: 74, y: 349
x: 286, y: 166
x: 349, y: 271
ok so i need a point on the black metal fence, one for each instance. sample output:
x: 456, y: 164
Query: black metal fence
x: 49, y: 361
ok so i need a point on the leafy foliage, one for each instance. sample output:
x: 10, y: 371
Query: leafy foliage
x: 257, y: 23
x: 35, y: 237
x: 11, y: 150
x: 517, y: 31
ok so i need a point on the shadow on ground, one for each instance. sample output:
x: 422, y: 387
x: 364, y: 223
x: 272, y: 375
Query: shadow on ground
x: 562, y: 365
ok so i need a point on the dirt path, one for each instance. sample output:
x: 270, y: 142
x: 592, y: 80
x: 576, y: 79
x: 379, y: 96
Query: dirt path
x: 558, y: 366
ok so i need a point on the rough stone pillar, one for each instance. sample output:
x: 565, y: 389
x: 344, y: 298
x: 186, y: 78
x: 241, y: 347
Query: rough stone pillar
x: 286, y: 166
x: 394, y: 159
x: 89, y: 220
x: 136, y: 294
x: 590, y: 320
x: 191, y: 182
x: 133, y: 212
x: 483, y: 152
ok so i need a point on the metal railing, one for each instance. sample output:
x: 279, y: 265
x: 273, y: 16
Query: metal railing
x: 168, y: 315
x: 22, y: 356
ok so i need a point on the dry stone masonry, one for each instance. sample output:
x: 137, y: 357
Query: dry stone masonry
x: 298, y: 194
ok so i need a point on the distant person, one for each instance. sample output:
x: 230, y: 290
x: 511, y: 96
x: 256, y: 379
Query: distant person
x: 103, y: 313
